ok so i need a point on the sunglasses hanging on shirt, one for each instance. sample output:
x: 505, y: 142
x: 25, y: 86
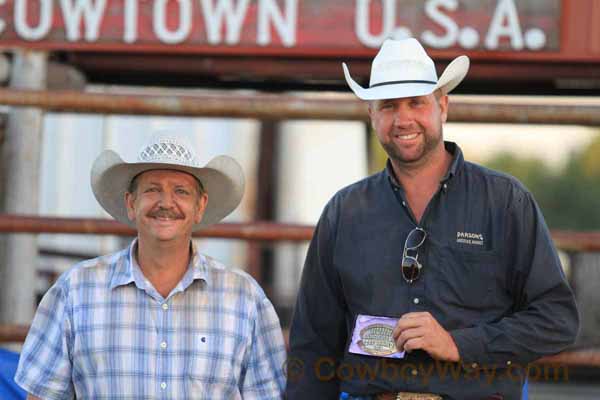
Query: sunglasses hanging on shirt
x: 411, y: 267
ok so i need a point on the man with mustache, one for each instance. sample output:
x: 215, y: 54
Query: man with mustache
x: 436, y: 257
x: 158, y: 320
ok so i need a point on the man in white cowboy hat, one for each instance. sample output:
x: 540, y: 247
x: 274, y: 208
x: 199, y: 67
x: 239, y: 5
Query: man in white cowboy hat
x: 435, y: 278
x: 158, y: 320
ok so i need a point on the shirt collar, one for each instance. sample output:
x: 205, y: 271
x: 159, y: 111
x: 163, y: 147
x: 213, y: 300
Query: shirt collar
x: 455, y: 166
x: 458, y: 160
x: 127, y: 269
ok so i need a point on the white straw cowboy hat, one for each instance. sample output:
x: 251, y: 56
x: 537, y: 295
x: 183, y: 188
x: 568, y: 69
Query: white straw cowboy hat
x: 222, y: 178
x: 402, y: 68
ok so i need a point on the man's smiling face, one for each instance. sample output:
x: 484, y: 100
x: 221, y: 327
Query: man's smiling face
x: 165, y: 204
x: 410, y: 129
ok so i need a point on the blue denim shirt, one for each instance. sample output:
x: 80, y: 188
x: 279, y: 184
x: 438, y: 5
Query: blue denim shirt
x: 491, y: 277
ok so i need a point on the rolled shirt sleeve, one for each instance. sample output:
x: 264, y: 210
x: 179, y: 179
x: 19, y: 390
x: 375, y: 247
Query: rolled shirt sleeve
x: 45, y: 363
x: 545, y: 319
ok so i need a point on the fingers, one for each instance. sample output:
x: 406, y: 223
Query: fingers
x: 411, y: 315
x: 403, y: 325
x: 408, y: 335
x: 421, y: 331
x: 412, y: 320
x: 414, y: 344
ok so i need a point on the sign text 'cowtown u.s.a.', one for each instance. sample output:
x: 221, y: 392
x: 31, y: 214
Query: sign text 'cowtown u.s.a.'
x: 279, y: 26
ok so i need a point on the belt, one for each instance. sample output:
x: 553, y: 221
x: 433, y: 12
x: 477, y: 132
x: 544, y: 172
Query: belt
x: 408, y: 396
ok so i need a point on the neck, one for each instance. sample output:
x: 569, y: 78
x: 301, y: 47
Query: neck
x: 421, y: 182
x: 427, y: 172
x: 163, y: 264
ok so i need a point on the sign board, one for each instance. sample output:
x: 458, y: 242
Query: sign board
x: 279, y: 27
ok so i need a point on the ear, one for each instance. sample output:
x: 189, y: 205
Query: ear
x: 130, y: 204
x: 202, y: 203
x: 443, y: 103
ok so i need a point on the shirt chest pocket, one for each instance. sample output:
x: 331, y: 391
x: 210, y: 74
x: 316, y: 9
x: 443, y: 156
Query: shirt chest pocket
x: 214, y: 367
x: 466, y: 278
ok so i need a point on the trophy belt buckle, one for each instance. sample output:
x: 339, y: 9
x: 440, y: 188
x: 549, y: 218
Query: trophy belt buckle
x: 417, y: 396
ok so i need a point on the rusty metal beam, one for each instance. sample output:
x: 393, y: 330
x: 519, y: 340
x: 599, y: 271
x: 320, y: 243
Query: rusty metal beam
x: 556, y: 110
x: 574, y: 358
x: 576, y: 241
x: 266, y: 231
x: 13, y: 333
x: 490, y: 109
x: 234, y: 105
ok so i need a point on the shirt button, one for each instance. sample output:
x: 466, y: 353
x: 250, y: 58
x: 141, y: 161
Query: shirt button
x: 165, y: 306
x: 163, y: 385
x: 445, y: 186
x: 414, y: 372
x: 163, y: 345
x: 404, y: 203
x: 416, y: 300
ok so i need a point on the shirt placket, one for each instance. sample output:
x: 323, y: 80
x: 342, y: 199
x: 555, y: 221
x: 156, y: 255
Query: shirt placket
x: 416, y: 290
x: 164, y: 381
x: 418, y: 300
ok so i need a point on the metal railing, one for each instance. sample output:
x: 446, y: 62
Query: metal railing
x: 483, y: 109
x: 264, y: 231
x: 496, y: 109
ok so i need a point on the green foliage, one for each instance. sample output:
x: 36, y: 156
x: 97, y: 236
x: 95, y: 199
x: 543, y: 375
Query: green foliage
x: 570, y: 198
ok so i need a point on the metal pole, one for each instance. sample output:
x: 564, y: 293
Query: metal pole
x: 490, y: 109
x: 20, y: 166
x: 266, y: 231
x: 585, y: 279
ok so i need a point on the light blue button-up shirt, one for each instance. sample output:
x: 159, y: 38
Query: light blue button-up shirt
x: 104, y: 332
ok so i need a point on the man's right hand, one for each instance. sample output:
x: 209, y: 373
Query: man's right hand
x: 421, y: 331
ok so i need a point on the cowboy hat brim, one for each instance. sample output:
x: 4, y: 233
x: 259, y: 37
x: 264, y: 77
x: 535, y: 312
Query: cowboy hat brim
x: 222, y: 178
x: 454, y: 73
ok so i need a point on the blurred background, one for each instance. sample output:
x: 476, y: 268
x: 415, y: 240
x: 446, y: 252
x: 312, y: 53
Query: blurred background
x: 261, y: 80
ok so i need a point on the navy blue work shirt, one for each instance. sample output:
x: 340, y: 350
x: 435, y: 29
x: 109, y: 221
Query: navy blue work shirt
x: 491, y: 276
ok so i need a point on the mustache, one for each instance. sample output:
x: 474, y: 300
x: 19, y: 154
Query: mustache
x: 165, y: 213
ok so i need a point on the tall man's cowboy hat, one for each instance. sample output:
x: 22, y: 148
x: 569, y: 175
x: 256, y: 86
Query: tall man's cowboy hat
x: 222, y: 178
x: 402, y: 68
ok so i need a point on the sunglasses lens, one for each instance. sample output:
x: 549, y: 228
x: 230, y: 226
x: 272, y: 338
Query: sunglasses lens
x: 415, y: 238
x: 410, y: 268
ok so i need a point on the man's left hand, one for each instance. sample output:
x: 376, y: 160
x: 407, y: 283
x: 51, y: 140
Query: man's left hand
x: 420, y: 331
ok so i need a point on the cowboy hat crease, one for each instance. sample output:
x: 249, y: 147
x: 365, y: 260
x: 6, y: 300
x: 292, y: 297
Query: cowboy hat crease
x: 222, y: 177
x: 402, y: 68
